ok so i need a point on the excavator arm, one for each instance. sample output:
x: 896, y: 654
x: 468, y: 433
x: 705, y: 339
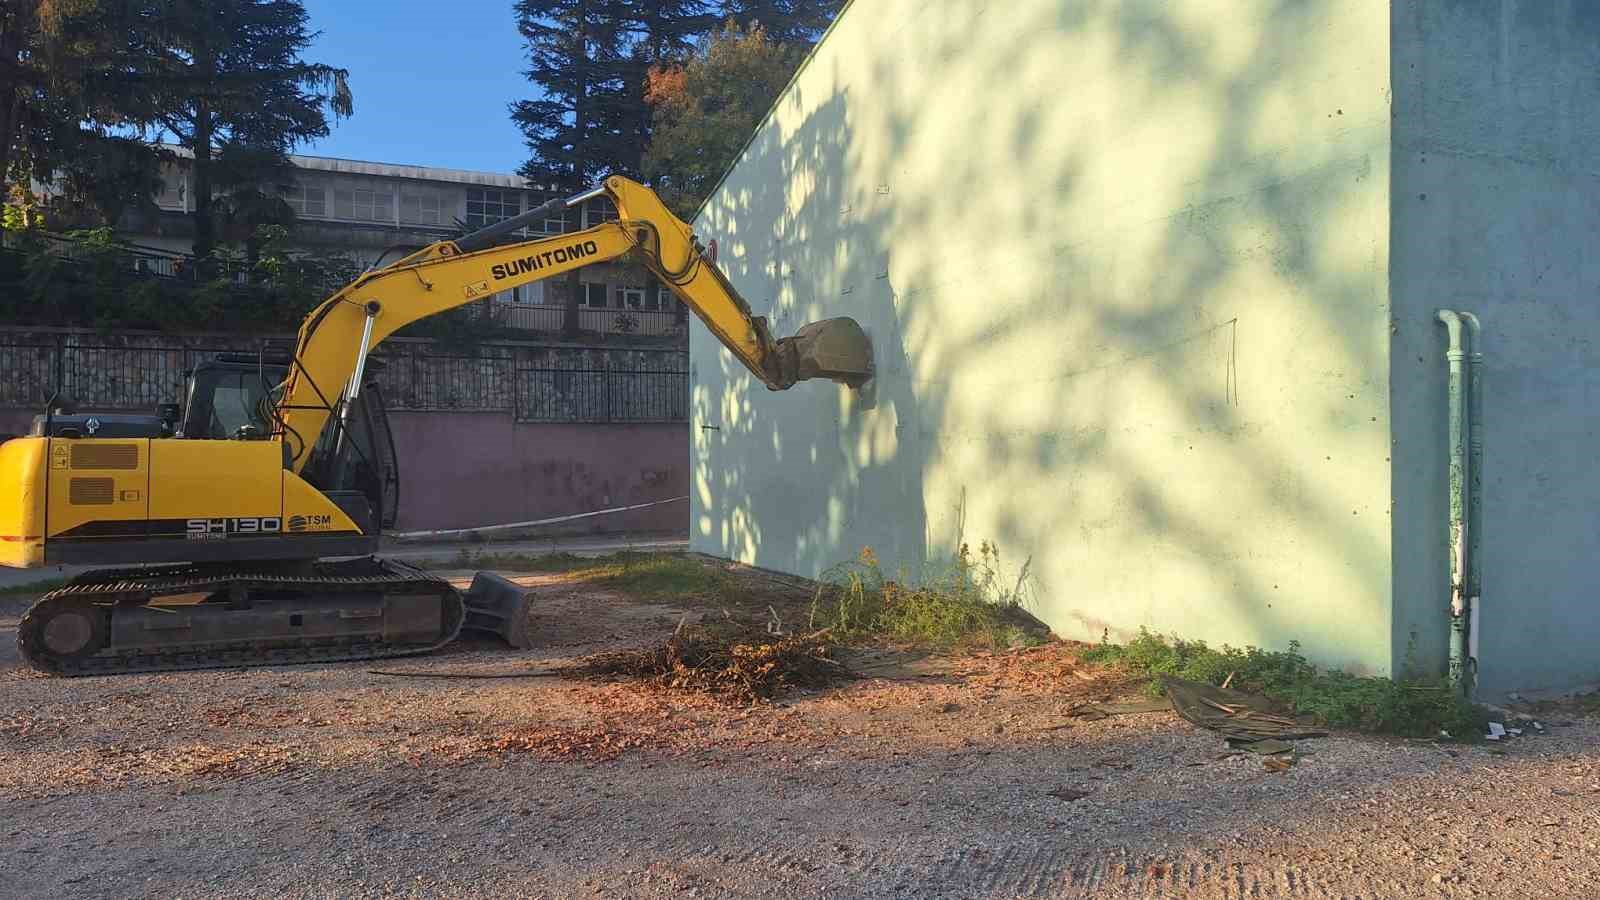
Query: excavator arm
x: 336, y: 337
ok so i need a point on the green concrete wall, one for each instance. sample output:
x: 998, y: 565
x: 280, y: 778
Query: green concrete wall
x: 1125, y: 267
x: 1495, y: 212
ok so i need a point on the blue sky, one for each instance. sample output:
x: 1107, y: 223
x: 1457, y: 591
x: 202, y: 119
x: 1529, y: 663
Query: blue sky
x: 431, y: 81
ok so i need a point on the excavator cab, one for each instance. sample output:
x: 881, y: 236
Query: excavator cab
x: 232, y: 397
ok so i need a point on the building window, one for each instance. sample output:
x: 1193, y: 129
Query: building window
x: 662, y: 302
x: 594, y: 295
x: 597, y: 211
x: 172, y: 191
x: 307, y: 200
x: 630, y: 297
x: 556, y: 225
x: 420, y: 206
x: 486, y: 207
x: 525, y: 294
x: 364, y: 204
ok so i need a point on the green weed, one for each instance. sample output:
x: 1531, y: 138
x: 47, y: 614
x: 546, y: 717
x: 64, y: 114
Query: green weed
x: 965, y: 602
x: 1409, y: 707
x: 35, y: 587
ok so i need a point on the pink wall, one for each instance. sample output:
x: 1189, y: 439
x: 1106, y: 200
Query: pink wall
x: 18, y: 421
x: 463, y: 470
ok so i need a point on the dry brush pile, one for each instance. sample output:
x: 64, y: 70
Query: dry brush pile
x: 739, y: 663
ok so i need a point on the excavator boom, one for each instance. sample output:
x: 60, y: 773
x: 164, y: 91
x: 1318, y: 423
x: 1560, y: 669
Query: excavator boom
x: 336, y: 337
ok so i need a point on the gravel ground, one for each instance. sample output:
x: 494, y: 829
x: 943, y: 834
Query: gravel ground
x: 942, y: 778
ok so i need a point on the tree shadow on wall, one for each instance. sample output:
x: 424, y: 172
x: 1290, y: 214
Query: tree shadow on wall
x: 1097, y: 391
x: 842, y: 467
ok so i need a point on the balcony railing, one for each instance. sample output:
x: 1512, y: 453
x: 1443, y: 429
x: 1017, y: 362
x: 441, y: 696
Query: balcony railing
x: 592, y: 320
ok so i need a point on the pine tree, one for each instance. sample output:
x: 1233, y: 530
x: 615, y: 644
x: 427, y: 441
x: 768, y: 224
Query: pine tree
x: 792, y: 22
x: 576, y: 130
x: 580, y: 128
x: 228, y: 74
x: 664, y: 33
x: 105, y: 173
x: 592, y: 62
x: 63, y: 85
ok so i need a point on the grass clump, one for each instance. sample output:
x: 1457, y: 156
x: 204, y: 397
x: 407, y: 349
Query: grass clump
x: 1409, y: 707
x: 964, y: 603
x: 33, y: 587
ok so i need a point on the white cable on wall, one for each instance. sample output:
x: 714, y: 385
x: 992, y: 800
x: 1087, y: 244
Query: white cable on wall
x: 551, y: 521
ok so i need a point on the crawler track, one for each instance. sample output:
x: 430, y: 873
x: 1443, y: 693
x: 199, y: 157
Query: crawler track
x: 107, y: 590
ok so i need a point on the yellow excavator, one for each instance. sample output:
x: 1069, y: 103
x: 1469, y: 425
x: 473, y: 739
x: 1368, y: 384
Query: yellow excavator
x: 251, y: 511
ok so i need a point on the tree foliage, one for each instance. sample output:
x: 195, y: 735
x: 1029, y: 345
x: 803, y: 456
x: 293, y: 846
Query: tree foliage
x: 251, y: 181
x: 792, y: 22
x: 707, y: 109
x: 65, y: 91
x: 229, y: 83
x: 593, y: 63
x: 108, y: 174
x: 664, y: 33
x: 96, y: 286
x: 580, y: 126
x: 87, y: 85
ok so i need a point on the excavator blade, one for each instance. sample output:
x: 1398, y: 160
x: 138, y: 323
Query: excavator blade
x: 836, y: 349
x: 499, y: 606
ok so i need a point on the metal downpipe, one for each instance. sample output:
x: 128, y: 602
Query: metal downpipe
x: 1459, y: 494
x: 1474, y: 492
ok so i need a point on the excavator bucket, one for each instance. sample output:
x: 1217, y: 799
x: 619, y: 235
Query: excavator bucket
x: 499, y: 606
x: 836, y: 349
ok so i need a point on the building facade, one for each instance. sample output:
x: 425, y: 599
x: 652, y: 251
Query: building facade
x: 370, y: 213
x: 1152, y: 288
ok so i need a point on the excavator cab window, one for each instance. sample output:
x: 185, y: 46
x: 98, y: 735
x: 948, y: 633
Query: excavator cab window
x: 225, y: 401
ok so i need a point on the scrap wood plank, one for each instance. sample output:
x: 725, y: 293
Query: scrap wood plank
x: 1217, y: 709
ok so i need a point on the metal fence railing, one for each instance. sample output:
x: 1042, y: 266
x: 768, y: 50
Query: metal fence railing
x: 417, y: 376
x: 130, y: 378
x: 539, y: 384
x: 532, y: 382
x: 96, y: 373
x: 31, y: 373
x: 602, y: 395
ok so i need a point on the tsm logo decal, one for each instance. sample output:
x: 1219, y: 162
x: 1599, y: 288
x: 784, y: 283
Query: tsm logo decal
x: 309, y: 523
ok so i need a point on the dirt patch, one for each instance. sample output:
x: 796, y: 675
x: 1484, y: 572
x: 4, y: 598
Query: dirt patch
x: 928, y: 775
x: 66, y: 737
